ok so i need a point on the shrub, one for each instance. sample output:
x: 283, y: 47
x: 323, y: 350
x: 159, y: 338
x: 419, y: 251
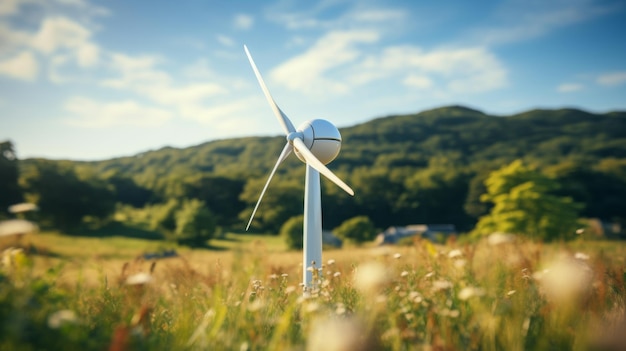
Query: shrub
x: 291, y: 231
x: 356, y: 230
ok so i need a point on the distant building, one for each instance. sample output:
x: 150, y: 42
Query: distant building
x: 432, y: 232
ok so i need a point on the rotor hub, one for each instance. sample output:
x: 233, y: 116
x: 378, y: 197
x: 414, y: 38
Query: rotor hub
x: 321, y: 137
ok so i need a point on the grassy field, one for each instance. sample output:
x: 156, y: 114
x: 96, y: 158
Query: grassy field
x: 82, y: 293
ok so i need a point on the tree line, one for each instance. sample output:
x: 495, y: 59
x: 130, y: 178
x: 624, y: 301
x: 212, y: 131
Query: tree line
x: 431, y: 167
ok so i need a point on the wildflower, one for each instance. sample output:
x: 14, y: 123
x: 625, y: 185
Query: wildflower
x: 139, y: 279
x: 404, y: 274
x: 469, y: 292
x: 428, y: 275
x: 333, y: 334
x: 273, y: 276
x: 370, y: 276
x: 284, y: 275
x: 455, y: 253
x: 17, y: 227
x: 498, y: 238
x: 336, y: 274
x: 397, y: 255
x: 415, y: 297
x: 61, y: 318
x: 581, y: 256
x: 290, y: 289
x: 441, y: 285
x: 255, y: 305
x: 511, y: 292
x: 331, y: 262
x: 341, y: 309
x: 566, y: 279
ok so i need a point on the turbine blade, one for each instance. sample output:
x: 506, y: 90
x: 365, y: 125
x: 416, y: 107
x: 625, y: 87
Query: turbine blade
x: 283, y: 155
x: 282, y: 118
x: 319, y: 166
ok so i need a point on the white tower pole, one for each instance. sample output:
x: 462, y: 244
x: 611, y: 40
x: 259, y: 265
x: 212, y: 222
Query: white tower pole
x: 312, y: 255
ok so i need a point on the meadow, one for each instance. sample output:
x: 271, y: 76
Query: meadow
x: 500, y: 293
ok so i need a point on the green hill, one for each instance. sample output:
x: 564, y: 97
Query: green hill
x: 426, y: 167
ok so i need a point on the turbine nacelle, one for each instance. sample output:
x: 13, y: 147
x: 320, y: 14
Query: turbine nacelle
x: 321, y: 137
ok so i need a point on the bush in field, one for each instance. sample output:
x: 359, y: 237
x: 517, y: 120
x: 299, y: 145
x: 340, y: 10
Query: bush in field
x: 195, y: 224
x: 357, y: 230
x: 292, y: 232
x: 525, y: 203
x: 163, y: 216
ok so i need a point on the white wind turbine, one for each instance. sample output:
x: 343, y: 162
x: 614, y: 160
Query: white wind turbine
x: 316, y: 142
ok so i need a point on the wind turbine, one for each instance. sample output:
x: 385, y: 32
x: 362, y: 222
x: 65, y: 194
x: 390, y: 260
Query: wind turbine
x: 316, y: 142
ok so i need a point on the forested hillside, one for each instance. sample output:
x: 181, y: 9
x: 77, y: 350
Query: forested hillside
x: 427, y: 167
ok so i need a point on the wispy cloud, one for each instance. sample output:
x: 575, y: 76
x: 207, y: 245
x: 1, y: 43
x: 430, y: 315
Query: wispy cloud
x: 612, y: 78
x: 308, y: 71
x: 243, y: 21
x: 90, y: 113
x: 22, y: 66
x: 225, y: 40
x: 569, y: 87
x: 518, y: 20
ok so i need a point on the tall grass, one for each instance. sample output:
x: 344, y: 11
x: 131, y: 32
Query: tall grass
x: 511, y: 296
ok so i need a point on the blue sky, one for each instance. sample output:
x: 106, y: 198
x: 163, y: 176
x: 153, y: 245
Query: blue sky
x: 89, y: 80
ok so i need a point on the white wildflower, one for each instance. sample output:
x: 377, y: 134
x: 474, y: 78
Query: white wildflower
x: 370, y: 276
x: 441, y: 285
x: 61, y: 318
x: 455, y: 253
x: 139, y: 279
x: 469, y: 292
x: 397, y: 255
x: 581, y: 256
x: 498, y: 238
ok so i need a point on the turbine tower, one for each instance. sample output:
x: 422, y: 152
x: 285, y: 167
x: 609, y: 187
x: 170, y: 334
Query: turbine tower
x: 316, y: 142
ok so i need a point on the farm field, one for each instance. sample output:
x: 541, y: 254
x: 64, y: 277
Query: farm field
x: 244, y: 294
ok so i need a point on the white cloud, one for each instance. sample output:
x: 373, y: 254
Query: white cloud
x: 199, y: 70
x: 140, y: 75
x: 9, y: 7
x: 569, y: 87
x: 55, y: 35
x: 22, y: 66
x: 94, y: 114
x: 518, y: 20
x: 224, y: 40
x: 243, y: 21
x: 60, y: 32
x: 612, y: 79
x: 376, y: 15
x: 218, y: 114
x: 306, y: 72
x: 464, y: 70
x: 418, y: 81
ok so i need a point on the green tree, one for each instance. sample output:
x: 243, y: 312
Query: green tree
x: 291, y: 231
x: 64, y: 198
x: 163, y: 215
x: 356, y: 230
x: 283, y: 200
x: 10, y: 192
x: 524, y: 203
x: 195, y: 224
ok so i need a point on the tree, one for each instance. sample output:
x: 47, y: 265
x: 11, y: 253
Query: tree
x: 291, y: 231
x: 65, y: 199
x: 524, y: 203
x: 283, y: 200
x: 10, y: 192
x: 195, y: 224
x: 357, y: 230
